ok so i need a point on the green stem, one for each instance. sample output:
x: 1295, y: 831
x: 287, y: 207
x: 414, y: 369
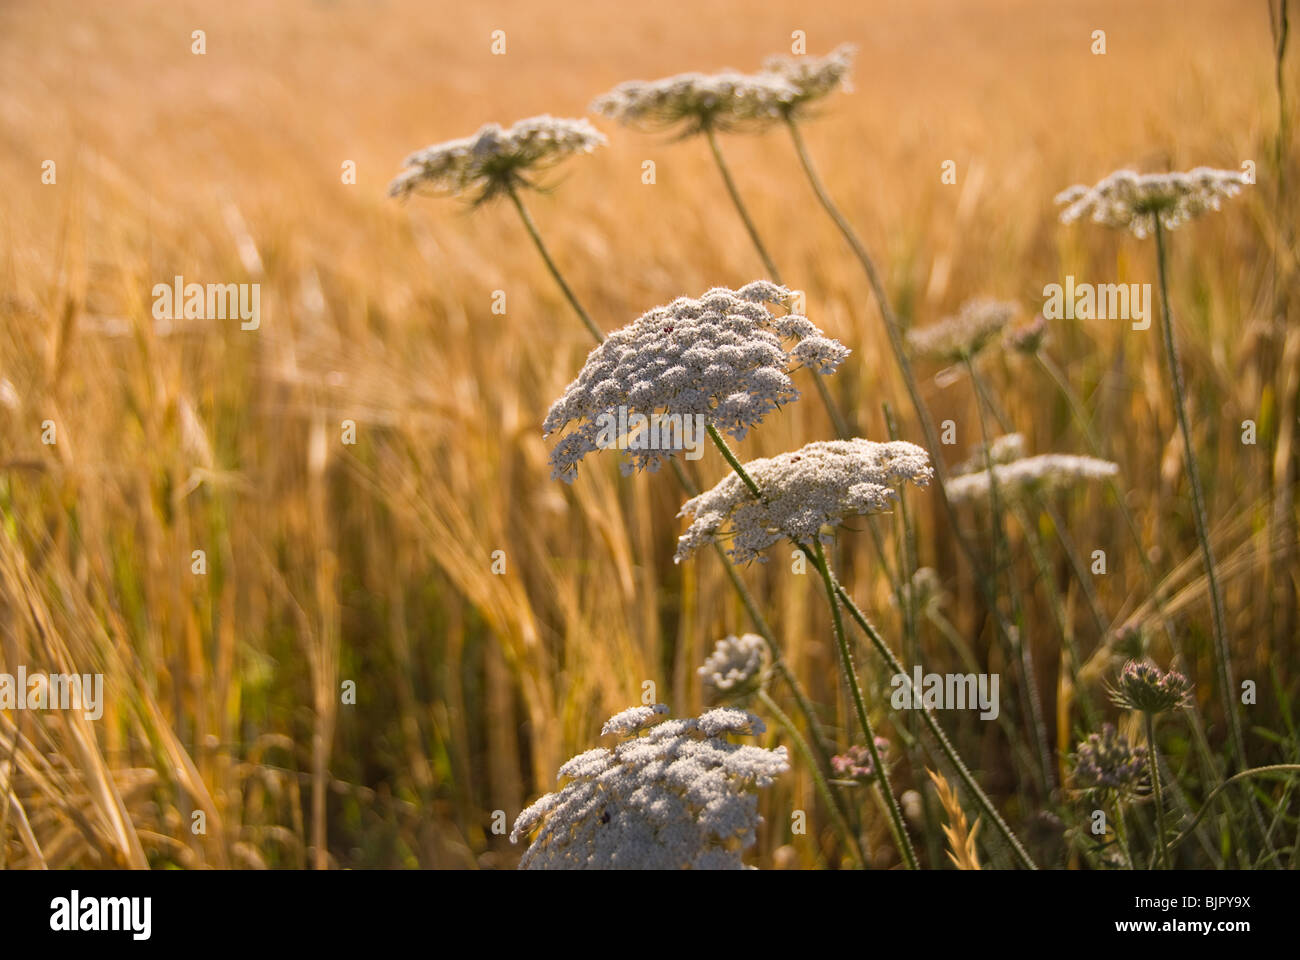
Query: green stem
x: 819, y: 781
x: 550, y: 264
x: 1205, y: 807
x: 895, y: 337
x: 1121, y: 831
x: 901, y: 838
x: 1198, y: 508
x: 1157, y: 793
x: 977, y: 792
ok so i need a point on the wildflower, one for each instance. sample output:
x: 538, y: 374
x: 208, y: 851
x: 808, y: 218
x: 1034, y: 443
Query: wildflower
x: 1144, y: 686
x: 1028, y: 338
x: 963, y: 336
x: 819, y: 484
x: 1045, y: 473
x: 736, y: 665
x: 673, y: 794
x: 1106, y: 761
x: 718, y: 360
x: 856, y: 763
x: 1004, y: 449
x: 494, y: 161
x: 812, y: 77
x: 1132, y: 201
x: 728, y: 101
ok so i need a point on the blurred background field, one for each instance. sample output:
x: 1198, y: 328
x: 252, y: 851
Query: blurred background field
x: 372, y: 562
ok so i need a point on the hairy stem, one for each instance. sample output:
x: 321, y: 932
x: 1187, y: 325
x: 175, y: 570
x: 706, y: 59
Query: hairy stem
x: 550, y: 264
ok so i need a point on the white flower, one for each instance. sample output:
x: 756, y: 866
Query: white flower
x: 975, y: 326
x: 735, y: 664
x: 671, y: 795
x: 494, y: 159
x: 812, y: 77
x: 1133, y: 200
x: 1004, y: 449
x: 819, y: 484
x: 719, y: 101
x: 719, y: 358
x: 1048, y: 472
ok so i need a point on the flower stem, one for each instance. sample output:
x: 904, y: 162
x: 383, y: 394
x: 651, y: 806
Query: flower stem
x: 981, y: 798
x: 1158, y: 794
x: 901, y: 838
x: 895, y: 337
x: 832, y: 409
x: 819, y: 781
x: 718, y: 158
x: 550, y: 264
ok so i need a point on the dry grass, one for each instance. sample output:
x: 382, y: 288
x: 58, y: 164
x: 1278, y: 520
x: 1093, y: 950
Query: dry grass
x: 371, y: 562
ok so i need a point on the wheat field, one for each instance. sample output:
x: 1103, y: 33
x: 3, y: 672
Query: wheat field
x: 369, y: 565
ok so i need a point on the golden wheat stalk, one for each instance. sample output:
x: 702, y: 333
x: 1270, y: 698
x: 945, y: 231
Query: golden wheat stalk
x: 960, y: 838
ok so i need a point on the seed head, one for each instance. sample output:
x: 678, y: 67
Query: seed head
x: 1106, y: 761
x: 720, y: 357
x: 694, y: 102
x: 1046, y: 473
x: 735, y: 666
x: 674, y: 794
x: 1144, y: 686
x: 819, y: 484
x: 956, y: 338
x: 1132, y: 201
x: 812, y: 77
x: 494, y: 160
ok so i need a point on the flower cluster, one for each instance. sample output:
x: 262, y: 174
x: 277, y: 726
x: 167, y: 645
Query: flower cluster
x: 1132, y: 201
x: 856, y: 763
x: 494, y: 160
x: 720, y: 101
x: 1106, y: 761
x: 673, y: 794
x: 812, y: 77
x: 819, y: 484
x: 720, y: 358
x: 1144, y: 686
x: 924, y: 591
x: 735, y: 666
x: 976, y: 325
x: 1020, y: 478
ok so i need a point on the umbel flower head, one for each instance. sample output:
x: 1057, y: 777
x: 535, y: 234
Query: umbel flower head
x: 494, y: 160
x: 671, y: 795
x: 1144, y: 686
x: 1004, y: 449
x: 1045, y: 473
x: 812, y: 77
x: 735, y: 666
x: 1132, y: 201
x: 1027, y: 338
x: 1106, y: 761
x: 695, y: 102
x: 976, y: 325
x: 819, y: 484
x: 717, y: 361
